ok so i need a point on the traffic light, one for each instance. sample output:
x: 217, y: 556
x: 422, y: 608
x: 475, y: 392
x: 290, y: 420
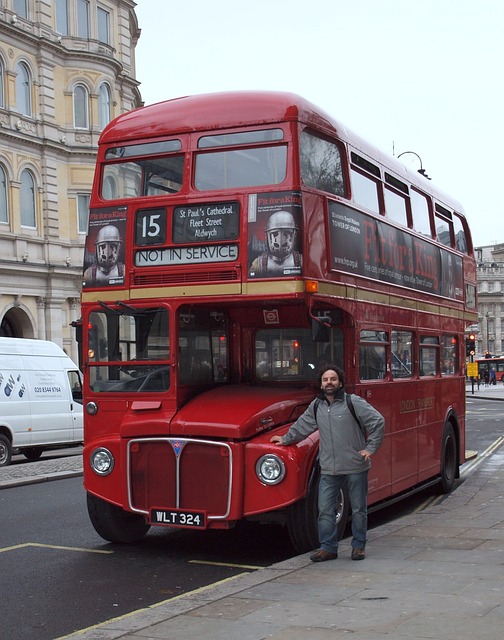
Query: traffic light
x: 92, y: 340
x: 471, y: 345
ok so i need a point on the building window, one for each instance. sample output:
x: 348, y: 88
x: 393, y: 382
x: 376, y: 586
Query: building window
x: 82, y: 212
x: 2, y: 84
x: 103, y: 25
x: 104, y: 105
x: 62, y: 17
x: 20, y: 7
x: 27, y: 199
x: 23, y: 89
x: 81, y: 108
x: 4, y: 209
x: 83, y: 18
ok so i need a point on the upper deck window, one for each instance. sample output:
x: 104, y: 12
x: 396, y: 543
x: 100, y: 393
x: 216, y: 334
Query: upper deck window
x: 150, y: 174
x: 460, y: 234
x: 240, y: 138
x: 395, y: 207
x: 147, y: 149
x: 364, y: 187
x: 365, y: 191
x: 244, y: 167
x: 444, y: 225
x: 420, y: 213
x: 321, y: 166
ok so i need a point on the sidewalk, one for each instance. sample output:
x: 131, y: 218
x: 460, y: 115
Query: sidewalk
x: 491, y: 392
x: 436, y: 574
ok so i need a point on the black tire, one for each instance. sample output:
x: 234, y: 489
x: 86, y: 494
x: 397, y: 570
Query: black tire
x: 449, y: 459
x: 5, y: 451
x: 113, y: 523
x: 302, y: 516
x: 32, y: 453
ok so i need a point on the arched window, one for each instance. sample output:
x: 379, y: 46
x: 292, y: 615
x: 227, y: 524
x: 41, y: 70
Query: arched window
x: 27, y: 199
x: 4, y: 206
x: 23, y: 89
x: 81, y: 107
x: 104, y: 105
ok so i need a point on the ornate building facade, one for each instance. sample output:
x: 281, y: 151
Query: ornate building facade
x: 490, y: 275
x: 67, y: 67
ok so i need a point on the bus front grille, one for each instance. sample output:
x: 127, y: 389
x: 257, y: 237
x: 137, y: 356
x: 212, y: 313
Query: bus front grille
x: 180, y: 473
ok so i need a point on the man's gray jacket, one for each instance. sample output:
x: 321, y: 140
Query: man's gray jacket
x: 341, y: 438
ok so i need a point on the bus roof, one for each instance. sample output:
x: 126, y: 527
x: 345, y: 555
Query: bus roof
x: 216, y: 111
x: 227, y: 110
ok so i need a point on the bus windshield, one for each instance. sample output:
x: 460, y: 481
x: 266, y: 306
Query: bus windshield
x: 129, y: 350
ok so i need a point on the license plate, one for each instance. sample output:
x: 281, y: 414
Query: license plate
x: 178, y: 518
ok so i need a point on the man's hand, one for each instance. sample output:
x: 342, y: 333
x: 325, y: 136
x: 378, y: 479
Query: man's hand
x: 365, y: 454
x: 276, y: 439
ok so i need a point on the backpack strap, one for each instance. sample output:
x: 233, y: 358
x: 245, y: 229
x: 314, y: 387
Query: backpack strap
x: 349, y: 402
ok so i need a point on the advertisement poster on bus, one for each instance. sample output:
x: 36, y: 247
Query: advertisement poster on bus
x: 104, y: 252
x: 366, y: 246
x: 275, y: 233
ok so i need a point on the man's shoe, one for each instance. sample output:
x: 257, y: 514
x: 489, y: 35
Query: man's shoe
x: 321, y: 555
x: 358, y: 554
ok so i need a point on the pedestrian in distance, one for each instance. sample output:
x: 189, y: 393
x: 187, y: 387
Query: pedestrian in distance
x: 351, y: 431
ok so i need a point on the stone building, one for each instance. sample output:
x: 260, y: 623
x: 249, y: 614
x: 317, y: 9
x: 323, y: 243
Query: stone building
x: 490, y: 276
x: 67, y: 67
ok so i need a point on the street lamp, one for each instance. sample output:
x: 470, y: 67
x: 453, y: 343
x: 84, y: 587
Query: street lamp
x: 421, y: 170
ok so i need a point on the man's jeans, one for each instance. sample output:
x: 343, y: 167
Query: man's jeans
x: 329, y: 487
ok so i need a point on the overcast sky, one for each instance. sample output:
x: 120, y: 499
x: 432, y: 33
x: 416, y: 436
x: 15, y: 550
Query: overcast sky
x: 408, y: 76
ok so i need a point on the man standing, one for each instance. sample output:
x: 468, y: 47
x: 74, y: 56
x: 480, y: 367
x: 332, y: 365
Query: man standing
x: 346, y: 446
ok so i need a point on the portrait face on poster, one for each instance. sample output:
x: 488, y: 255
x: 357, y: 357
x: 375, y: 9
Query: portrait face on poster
x: 104, y: 253
x: 275, y: 235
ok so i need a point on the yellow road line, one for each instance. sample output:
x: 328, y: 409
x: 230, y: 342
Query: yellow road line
x: 227, y: 564
x: 52, y: 546
x: 470, y: 466
x: 152, y: 606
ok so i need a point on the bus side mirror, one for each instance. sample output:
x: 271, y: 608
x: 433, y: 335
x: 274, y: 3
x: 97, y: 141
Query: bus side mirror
x: 321, y: 328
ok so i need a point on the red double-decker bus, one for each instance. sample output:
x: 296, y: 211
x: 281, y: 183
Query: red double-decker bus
x: 237, y: 242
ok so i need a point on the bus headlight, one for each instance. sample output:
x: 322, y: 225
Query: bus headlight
x: 102, y: 461
x: 270, y: 469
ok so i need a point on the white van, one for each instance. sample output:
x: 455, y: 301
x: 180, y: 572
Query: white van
x: 40, y: 399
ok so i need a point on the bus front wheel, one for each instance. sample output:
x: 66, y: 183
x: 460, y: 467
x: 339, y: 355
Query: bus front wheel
x: 449, y: 459
x: 113, y: 523
x: 302, y: 516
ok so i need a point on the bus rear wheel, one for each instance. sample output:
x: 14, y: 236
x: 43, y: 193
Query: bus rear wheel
x: 302, y: 516
x: 113, y: 523
x: 449, y: 459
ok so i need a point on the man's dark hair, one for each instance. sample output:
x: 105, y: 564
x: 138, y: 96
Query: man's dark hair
x: 332, y: 367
